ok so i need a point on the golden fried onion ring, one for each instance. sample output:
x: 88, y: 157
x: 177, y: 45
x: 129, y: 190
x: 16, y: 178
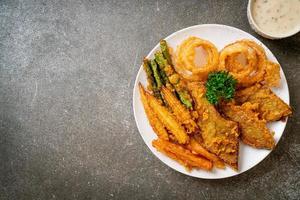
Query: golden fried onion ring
x: 257, y: 67
x: 254, y: 69
x: 185, y: 59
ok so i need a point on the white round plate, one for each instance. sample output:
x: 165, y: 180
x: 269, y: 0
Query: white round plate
x: 220, y: 35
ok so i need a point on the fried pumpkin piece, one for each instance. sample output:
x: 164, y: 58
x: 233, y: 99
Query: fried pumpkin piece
x: 270, y: 106
x: 220, y: 136
x: 182, y: 114
x: 197, y: 148
x: 254, y: 131
x: 242, y: 95
x: 155, y: 123
x: 167, y: 119
x: 182, y: 155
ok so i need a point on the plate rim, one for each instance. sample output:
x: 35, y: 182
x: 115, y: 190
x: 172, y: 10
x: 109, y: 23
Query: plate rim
x: 135, y: 91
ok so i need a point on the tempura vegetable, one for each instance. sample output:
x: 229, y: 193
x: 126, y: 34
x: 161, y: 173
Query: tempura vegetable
x: 196, y: 147
x: 272, y: 76
x: 174, y: 79
x: 152, y: 86
x: 157, y: 126
x: 254, y: 131
x: 220, y: 136
x: 156, y: 74
x: 181, y: 113
x: 165, y: 50
x: 168, y: 120
x: 181, y: 155
x: 186, y: 54
x: 270, y: 106
x: 257, y: 68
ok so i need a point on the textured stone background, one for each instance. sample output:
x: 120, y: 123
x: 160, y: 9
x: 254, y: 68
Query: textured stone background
x: 67, y: 129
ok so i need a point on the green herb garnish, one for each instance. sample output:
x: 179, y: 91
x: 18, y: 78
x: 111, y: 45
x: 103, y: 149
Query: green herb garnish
x: 220, y: 86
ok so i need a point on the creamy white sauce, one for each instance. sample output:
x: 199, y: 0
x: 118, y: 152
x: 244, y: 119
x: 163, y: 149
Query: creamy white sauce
x: 277, y: 17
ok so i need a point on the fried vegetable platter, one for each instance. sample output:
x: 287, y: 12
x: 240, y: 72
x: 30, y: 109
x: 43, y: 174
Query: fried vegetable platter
x: 201, y: 102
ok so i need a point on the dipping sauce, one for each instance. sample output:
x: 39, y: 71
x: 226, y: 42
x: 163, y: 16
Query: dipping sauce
x: 277, y: 17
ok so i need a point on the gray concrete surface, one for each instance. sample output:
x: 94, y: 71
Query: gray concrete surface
x: 67, y: 129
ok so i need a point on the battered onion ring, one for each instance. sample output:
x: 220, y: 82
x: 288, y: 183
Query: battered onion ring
x: 255, y: 68
x: 185, y: 56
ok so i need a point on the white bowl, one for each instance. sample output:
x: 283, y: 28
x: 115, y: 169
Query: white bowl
x: 258, y: 30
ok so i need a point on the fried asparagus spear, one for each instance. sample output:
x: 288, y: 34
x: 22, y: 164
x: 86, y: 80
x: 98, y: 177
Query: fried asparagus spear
x: 151, y: 80
x: 157, y: 126
x: 163, y: 77
x: 156, y: 74
x: 180, y: 111
x: 167, y: 119
x: 174, y: 79
x: 182, y: 155
x: 165, y: 50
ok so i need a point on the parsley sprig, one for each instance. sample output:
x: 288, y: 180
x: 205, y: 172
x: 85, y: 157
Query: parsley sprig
x: 220, y: 86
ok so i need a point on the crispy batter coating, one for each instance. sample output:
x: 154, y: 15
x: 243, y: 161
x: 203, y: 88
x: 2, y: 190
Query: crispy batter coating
x: 270, y: 106
x: 157, y: 126
x: 197, y: 148
x: 167, y: 119
x: 254, y: 131
x: 272, y: 76
x: 182, y: 114
x: 182, y: 155
x: 220, y: 136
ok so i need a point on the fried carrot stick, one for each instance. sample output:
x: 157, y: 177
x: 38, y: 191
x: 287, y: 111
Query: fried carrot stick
x: 157, y: 126
x: 196, y: 147
x: 181, y: 155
